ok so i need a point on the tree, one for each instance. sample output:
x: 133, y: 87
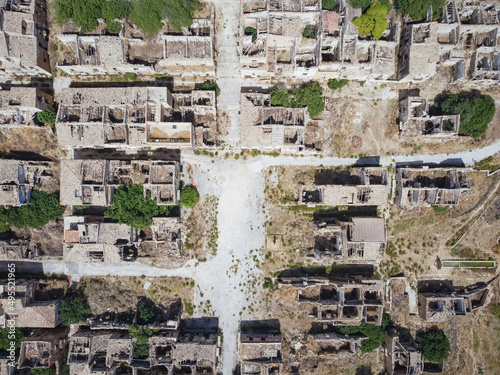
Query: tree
x: 47, y: 116
x: 309, y: 32
x: 337, y: 84
x: 145, y: 312
x: 363, y: 4
x: 211, y: 86
x: 417, y: 9
x: 434, y: 345
x: 309, y: 95
x: 249, y: 30
x: 7, y: 336
x: 376, y: 334
x: 130, y: 206
x: 141, y: 345
x: 330, y: 5
x: 373, y: 22
x: 475, y: 112
x: 73, y: 310
x: 189, y: 197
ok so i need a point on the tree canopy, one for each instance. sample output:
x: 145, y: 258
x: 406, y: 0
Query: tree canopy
x: 145, y: 312
x: 145, y: 14
x: 130, y: 206
x: 475, y: 112
x: 141, y: 345
x: 47, y: 116
x: 310, y: 96
x: 363, y: 4
x: 6, y: 337
x: 43, y: 207
x: 434, y: 345
x: 337, y: 84
x: 417, y: 9
x: 376, y: 334
x: 330, y: 5
x: 373, y: 22
x: 73, y: 310
x: 189, y: 197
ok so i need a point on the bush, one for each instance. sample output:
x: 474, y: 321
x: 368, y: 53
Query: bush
x: 141, y: 345
x: 47, y: 116
x: 189, y: 197
x: 440, y: 209
x: 417, y: 9
x: 363, y: 4
x: 211, y: 86
x: 373, y: 22
x: 434, y: 345
x: 310, y: 96
x: 331, y: 5
x: 41, y: 209
x: 6, y: 337
x: 130, y: 206
x: 249, y: 30
x: 73, y: 310
x: 475, y: 112
x: 376, y: 334
x: 44, y: 371
x: 309, y: 32
x: 131, y: 76
x: 337, y: 84
x: 487, y: 164
x: 268, y: 283
x: 145, y: 312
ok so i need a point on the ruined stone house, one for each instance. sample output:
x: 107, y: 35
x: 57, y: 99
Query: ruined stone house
x: 20, y: 105
x: 401, y: 354
x: 43, y: 348
x: 27, y: 311
x: 331, y: 344
x: 121, y: 117
x: 18, y: 178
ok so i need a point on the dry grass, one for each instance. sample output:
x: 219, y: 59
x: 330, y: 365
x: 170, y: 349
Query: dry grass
x: 120, y: 294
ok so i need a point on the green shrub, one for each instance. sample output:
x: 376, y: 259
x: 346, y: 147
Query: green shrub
x: 145, y: 312
x: 47, y: 116
x: 487, y: 164
x: 189, y: 197
x: 363, y: 4
x: 6, y: 337
x: 130, y: 206
x: 73, y: 310
x: 440, y: 209
x: 44, y: 371
x: 330, y: 5
x: 376, y: 334
x: 249, y: 30
x: 434, y: 345
x: 417, y: 9
x: 309, y: 95
x: 337, y: 84
x: 373, y: 22
x: 41, y: 209
x: 309, y: 31
x: 268, y: 283
x: 211, y: 86
x: 387, y: 4
x: 131, y: 76
x: 475, y: 112
x: 141, y: 345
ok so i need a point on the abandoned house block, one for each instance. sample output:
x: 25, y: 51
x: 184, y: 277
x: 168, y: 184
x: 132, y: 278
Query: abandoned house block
x: 401, y: 354
x: 44, y: 348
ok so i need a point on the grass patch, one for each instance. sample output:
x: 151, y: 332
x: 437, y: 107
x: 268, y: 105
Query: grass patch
x: 487, y: 164
x: 440, y: 209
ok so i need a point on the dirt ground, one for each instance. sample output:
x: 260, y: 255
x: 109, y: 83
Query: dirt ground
x: 50, y: 289
x: 119, y: 294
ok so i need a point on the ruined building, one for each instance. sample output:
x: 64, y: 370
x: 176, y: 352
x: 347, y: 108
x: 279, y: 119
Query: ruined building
x: 401, y: 354
x: 24, y: 38
x: 361, y: 239
x: 190, y: 50
x: 134, y: 117
x: 415, y: 120
x: 18, y: 178
x: 42, y: 349
x: 332, y: 344
x: 428, y: 187
x: 264, y: 126
x: 353, y: 186
x: 92, y: 239
x: 340, y: 300
x: 94, y: 182
x: 260, y: 348
x: 20, y: 105
x: 437, y: 303
x: 272, y: 41
x: 28, y: 312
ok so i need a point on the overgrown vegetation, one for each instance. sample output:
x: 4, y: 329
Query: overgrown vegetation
x: 249, y: 30
x: 130, y: 206
x: 362, y: 4
x: 145, y: 14
x: 417, y: 9
x: 475, y: 112
x: 47, y: 116
x: 373, y: 22
x: 309, y: 95
x: 211, y: 86
x: 434, y: 345
x: 330, y: 5
x: 141, y: 345
x: 44, y: 371
x: 145, y: 312
x: 440, y: 209
x: 376, y: 334
x: 73, y: 310
x: 189, y: 197
x: 43, y: 207
x: 6, y: 337
x: 487, y: 164
x: 309, y: 32
x: 337, y: 84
